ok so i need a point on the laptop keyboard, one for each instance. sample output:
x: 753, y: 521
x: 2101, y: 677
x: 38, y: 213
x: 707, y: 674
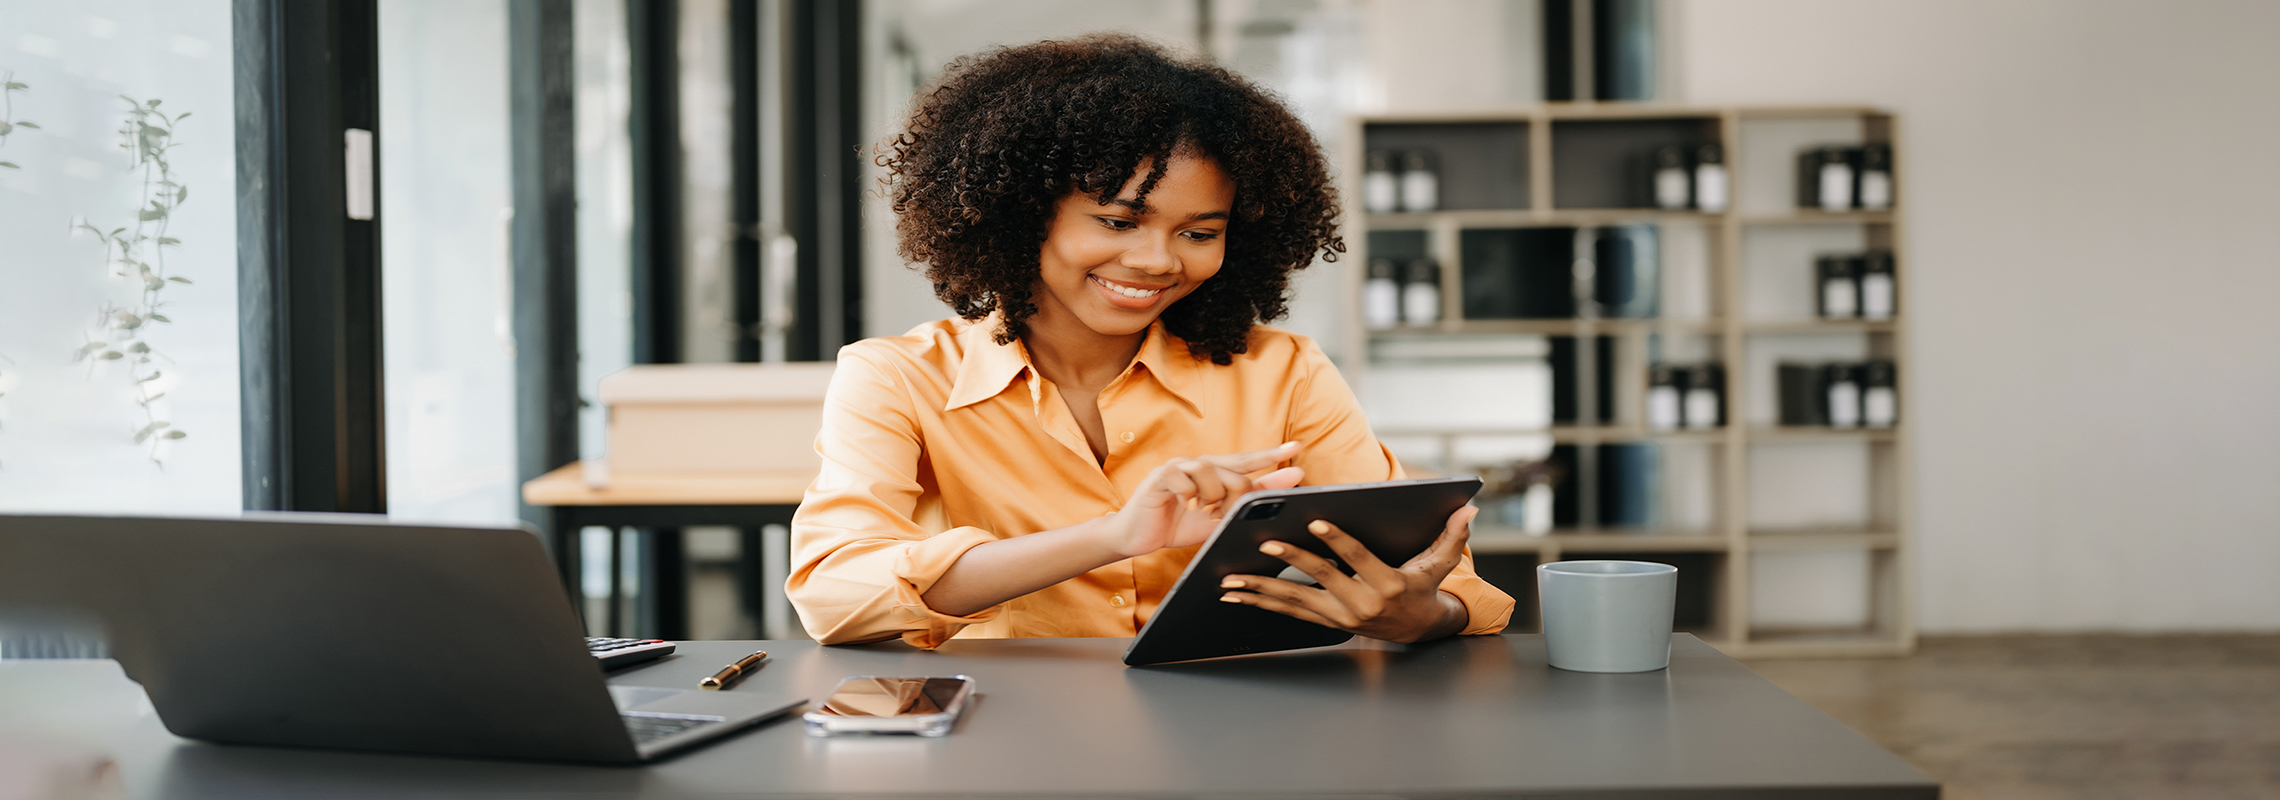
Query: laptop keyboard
x: 646, y: 729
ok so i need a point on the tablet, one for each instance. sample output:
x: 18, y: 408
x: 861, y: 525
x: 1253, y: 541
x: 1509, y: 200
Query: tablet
x: 1396, y: 520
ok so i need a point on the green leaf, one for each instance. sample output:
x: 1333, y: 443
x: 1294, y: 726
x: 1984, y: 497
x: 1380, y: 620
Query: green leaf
x: 152, y: 213
x: 6, y: 127
x: 81, y: 353
x: 165, y: 240
x: 130, y: 100
x: 154, y: 102
x: 153, y: 376
x: 175, y: 435
x: 18, y: 85
x: 148, y: 430
x: 9, y: 164
x: 113, y: 355
x: 151, y: 399
x: 25, y: 124
x: 160, y: 318
x: 182, y: 116
x: 179, y: 279
x: 138, y: 347
x: 182, y: 195
x: 127, y: 319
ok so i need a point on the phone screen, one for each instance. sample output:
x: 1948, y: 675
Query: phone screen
x: 893, y: 697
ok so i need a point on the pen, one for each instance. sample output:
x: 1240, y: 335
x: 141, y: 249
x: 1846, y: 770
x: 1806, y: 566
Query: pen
x: 731, y: 673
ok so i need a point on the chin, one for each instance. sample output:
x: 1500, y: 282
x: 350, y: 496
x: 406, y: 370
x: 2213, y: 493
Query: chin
x: 1118, y: 322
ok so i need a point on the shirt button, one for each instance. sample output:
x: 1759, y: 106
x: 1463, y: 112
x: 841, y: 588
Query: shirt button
x: 1116, y: 601
x: 1127, y: 437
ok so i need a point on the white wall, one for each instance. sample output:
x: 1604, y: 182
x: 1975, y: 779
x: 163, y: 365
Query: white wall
x: 2093, y: 200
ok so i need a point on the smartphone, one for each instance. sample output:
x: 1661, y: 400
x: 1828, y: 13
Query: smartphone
x: 869, y: 704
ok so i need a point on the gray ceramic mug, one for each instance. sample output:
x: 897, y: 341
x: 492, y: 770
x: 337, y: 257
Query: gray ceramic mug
x: 1607, y: 616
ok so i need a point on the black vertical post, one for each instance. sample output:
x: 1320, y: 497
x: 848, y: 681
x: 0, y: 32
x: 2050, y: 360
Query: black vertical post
x: 308, y: 275
x: 541, y: 91
x: 653, y: 26
x: 825, y: 176
x: 744, y: 161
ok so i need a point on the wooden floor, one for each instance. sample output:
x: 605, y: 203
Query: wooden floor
x: 2102, y: 716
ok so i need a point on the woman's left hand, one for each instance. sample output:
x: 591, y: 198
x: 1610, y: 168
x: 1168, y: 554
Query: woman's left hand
x: 1378, y: 601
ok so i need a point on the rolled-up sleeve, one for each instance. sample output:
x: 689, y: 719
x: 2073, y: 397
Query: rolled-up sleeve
x: 1339, y: 448
x: 861, y: 562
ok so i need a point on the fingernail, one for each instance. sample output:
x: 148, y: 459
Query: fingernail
x: 1318, y: 526
x: 1228, y: 598
x: 1289, y: 444
x: 1271, y: 548
x: 1231, y: 583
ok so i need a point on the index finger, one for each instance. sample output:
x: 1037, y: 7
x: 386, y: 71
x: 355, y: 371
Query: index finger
x: 1255, y: 460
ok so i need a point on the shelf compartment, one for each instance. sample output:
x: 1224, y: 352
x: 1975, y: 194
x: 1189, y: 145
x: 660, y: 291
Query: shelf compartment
x: 1481, y: 165
x: 1609, y: 163
x: 1563, y: 326
x: 1530, y: 218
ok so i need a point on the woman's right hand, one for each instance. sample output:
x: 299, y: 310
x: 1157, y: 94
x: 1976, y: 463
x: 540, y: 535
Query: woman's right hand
x: 1179, y: 503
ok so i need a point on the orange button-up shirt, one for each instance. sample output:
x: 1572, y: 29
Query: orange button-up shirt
x: 941, y: 439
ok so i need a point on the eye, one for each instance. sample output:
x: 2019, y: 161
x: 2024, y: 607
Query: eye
x: 1115, y: 224
x: 1201, y: 236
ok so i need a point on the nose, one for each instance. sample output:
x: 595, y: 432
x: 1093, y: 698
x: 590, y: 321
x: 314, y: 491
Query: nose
x: 1152, y: 255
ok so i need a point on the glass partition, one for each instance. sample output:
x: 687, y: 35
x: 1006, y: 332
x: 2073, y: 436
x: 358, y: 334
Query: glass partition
x: 118, y: 258
x: 445, y: 209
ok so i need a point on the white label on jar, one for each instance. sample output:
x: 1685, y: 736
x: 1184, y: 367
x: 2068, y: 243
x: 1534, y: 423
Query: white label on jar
x: 1420, y: 191
x: 1838, y: 299
x: 1380, y: 193
x: 1662, y: 408
x: 1381, y: 303
x: 1710, y: 187
x: 1670, y: 188
x: 1880, y: 407
x: 1701, y: 408
x: 1876, y: 189
x: 1836, y: 187
x: 1876, y: 296
x: 1844, y: 405
x: 1420, y: 304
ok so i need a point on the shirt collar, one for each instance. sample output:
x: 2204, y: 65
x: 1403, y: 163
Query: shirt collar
x: 987, y: 368
x: 1167, y: 358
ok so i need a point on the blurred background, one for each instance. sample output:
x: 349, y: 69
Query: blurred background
x: 1923, y: 336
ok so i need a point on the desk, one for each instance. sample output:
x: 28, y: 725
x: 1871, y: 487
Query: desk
x: 1475, y: 716
x: 748, y: 501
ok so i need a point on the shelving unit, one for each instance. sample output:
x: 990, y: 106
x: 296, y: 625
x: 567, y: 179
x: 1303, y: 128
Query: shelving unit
x: 1576, y: 165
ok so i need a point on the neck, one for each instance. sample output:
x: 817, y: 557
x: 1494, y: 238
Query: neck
x: 1070, y: 353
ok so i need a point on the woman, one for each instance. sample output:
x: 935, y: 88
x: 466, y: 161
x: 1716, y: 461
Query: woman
x: 1111, y: 225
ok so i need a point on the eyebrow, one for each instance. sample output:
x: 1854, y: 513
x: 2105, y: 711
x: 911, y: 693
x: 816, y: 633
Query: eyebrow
x: 1138, y: 207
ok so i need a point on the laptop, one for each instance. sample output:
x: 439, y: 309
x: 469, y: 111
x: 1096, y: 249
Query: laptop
x: 347, y: 632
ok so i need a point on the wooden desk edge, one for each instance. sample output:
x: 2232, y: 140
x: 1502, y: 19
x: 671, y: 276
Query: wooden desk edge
x: 566, y: 486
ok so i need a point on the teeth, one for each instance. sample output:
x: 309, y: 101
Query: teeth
x: 1137, y: 294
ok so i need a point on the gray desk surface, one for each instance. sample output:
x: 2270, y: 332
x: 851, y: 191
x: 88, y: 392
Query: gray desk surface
x: 1468, y: 717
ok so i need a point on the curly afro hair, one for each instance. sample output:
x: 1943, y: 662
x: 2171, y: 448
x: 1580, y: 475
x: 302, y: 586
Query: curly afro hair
x: 1001, y: 137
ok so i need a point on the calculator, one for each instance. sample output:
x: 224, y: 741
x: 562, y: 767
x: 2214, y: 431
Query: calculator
x: 622, y: 653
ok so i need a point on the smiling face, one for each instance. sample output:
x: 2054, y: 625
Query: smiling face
x: 1110, y: 269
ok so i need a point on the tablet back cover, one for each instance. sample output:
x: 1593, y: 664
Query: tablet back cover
x: 1395, y: 519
